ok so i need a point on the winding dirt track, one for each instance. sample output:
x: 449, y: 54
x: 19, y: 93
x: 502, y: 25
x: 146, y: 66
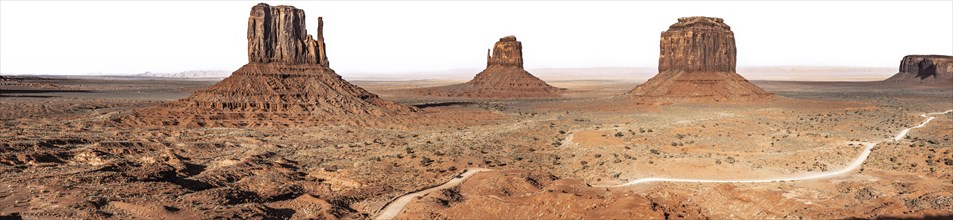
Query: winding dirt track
x: 853, y: 165
x: 393, y: 208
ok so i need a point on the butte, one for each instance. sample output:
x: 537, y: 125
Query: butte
x: 287, y: 82
x: 925, y: 69
x: 504, y: 77
x: 697, y: 64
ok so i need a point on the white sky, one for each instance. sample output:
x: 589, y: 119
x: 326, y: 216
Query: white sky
x: 388, y: 37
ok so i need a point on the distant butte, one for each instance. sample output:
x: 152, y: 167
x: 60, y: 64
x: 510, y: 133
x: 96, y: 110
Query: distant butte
x: 504, y: 77
x: 925, y: 69
x: 287, y: 82
x: 697, y: 64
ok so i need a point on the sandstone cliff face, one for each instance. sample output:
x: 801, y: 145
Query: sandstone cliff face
x: 504, y: 77
x: 287, y: 82
x: 506, y: 52
x: 698, y: 44
x: 697, y: 64
x: 925, y: 69
x: 278, y: 35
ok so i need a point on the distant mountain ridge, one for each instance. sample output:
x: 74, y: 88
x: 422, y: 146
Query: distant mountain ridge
x: 189, y: 74
x: 771, y: 73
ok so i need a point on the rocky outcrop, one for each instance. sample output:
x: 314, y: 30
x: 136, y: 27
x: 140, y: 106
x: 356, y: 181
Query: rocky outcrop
x: 278, y: 35
x: 504, y: 77
x: 697, y: 61
x: 287, y: 82
x: 925, y: 69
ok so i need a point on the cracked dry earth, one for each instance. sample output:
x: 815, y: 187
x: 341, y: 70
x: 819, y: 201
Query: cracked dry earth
x: 61, y: 158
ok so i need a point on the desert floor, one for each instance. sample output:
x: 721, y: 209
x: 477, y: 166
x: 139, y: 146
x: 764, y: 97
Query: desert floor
x: 545, y: 158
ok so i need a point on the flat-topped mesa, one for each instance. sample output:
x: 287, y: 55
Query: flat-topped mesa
x: 508, y: 52
x: 698, y: 44
x: 699, y: 22
x: 697, y: 64
x: 277, y: 34
x: 925, y: 69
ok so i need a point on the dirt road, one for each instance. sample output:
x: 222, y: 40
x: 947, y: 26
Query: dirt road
x: 392, y: 209
x: 853, y: 165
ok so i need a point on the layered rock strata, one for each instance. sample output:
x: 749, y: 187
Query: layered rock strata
x: 504, y: 77
x: 287, y: 82
x: 925, y: 69
x: 697, y: 61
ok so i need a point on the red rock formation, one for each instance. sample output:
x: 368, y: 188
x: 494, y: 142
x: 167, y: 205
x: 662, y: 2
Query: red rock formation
x: 506, y: 52
x: 504, y: 77
x: 287, y: 82
x: 700, y: 44
x: 925, y: 69
x: 697, y: 63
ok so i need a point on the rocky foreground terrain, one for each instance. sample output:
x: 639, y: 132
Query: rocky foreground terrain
x: 63, y: 157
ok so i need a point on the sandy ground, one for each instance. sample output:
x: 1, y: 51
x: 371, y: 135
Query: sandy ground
x: 61, y: 158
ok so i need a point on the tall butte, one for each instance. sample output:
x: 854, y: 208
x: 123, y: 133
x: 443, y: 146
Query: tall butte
x: 697, y: 64
x: 925, y: 69
x: 504, y: 77
x: 287, y: 82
